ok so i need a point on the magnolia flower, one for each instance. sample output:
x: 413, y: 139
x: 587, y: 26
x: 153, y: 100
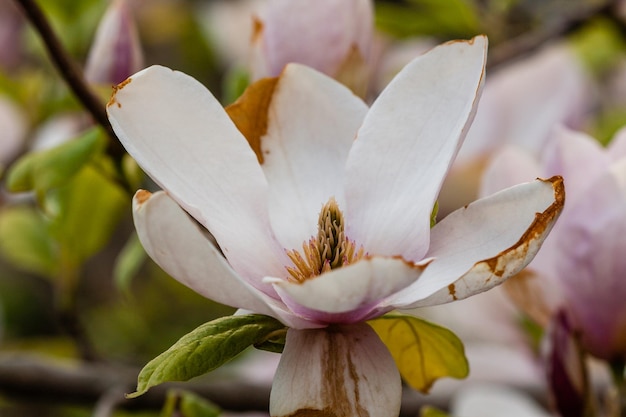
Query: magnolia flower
x: 332, y: 36
x: 303, y: 142
x: 581, y: 268
x: 116, y: 51
x: 550, y: 87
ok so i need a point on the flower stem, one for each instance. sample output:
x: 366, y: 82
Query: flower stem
x: 70, y: 72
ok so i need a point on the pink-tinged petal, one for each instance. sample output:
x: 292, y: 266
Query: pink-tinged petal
x: 312, y: 121
x: 535, y: 290
x: 337, y: 371
x: 350, y: 293
x: 182, y: 137
x: 406, y: 145
x: 479, y: 246
x: 617, y: 147
x: 179, y: 246
x: 509, y: 166
x: 116, y: 52
x: 591, y: 245
x: 569, y: 151
x: 289, y: 31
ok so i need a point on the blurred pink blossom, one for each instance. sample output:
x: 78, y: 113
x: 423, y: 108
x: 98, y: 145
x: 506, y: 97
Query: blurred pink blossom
x: 521, y: 104
x: 332, y: 36
x: 116, y: 51
x: 582, y: 265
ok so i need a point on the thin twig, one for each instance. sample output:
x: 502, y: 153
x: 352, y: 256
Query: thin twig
x: 70, y: 72
x: 530, y: 41
x: 40, y: 381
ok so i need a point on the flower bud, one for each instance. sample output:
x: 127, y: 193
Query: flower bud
x: 116, y: 52
x: 332, y: 36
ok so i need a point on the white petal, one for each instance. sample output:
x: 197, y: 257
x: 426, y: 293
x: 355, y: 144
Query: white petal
x: 479, y: 246
x: 406, y: 145
x: 348, y: 294
x: 338, y: 371
x: 312, y: 123
x: 182, y: 137
x: 179, y: 246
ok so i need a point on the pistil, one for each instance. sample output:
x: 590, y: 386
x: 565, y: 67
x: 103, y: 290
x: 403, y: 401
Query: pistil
x: 328, y: 250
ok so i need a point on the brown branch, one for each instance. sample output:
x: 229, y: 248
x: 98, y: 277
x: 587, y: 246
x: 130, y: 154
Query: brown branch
x: 35, y: 380
x: 70, y: 72
x: 531, y: 41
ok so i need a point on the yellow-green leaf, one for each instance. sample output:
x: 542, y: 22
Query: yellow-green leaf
x: 423, y: 351
x: 56, y: 166
x: 85, y: 212
x: 428, y: 411
x: 25, y: 240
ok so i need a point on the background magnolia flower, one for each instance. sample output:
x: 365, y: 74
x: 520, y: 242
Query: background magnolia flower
x: 580, y: 268
x: 257, y: 175
x: 521, y: 104
x: 116, y: 51
x: 289, y: 31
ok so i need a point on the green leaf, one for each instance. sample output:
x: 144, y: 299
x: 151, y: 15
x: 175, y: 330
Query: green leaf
x: 54, y: 167
x: 180, y: 403
x: 128, y: 262
x: 205, y: 349
x: 274, y: 342
x: 599, y: 44
x: 25, y: 241
x: 84, y: 212
x: 235, y: 83
x: 423, y: 352
x: 444, y: 18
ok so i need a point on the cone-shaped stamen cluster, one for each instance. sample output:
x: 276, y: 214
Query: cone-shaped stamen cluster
x: 329, y: 249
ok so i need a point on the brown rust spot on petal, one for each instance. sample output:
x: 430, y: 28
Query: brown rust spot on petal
x: 542, y: 223
x: 250, y: 112
x: 339, y: 400
x: 117, y: 88
x: 141, y: 196
x: 257, y: 29
x: 452, y: 291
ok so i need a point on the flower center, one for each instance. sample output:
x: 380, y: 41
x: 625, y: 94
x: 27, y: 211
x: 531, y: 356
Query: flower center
x: 328, y: 250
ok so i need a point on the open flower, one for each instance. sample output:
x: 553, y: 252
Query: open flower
x: 303, y: 142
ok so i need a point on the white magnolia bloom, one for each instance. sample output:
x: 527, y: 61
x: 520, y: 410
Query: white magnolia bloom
x: 375, y: 173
